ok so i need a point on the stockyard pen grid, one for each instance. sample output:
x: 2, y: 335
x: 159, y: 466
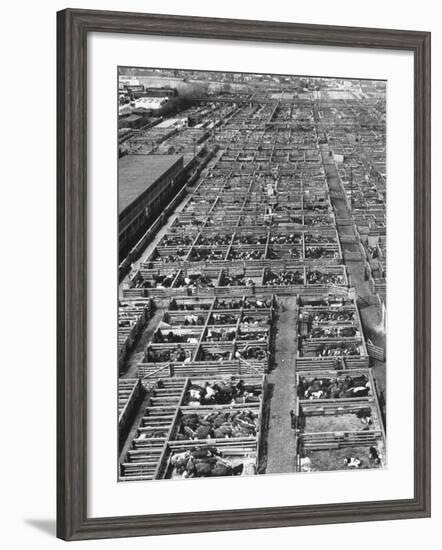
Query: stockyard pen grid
x: 252, y: 296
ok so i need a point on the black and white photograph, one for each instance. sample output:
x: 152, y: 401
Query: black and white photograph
x: 207, y: 197
x: 252, y: 273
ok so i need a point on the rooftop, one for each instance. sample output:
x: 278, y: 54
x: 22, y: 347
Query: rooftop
x: 132, y: 117
x: 136, y: 173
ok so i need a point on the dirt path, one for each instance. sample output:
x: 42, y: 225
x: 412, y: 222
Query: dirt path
x: 347, y: 234
x: 280, y: 437
x: 371, y: 316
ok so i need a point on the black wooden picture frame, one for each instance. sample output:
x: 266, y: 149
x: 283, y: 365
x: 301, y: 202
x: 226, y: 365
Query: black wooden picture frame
x: 73, y: 27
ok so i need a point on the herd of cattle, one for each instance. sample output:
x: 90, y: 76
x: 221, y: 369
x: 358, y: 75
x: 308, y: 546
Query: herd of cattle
x: 257, y: 227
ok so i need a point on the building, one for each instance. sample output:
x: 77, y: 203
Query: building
x: 145, y: 184
x: 133, y: 120
x: 134, y: 88
x: 161, y: 92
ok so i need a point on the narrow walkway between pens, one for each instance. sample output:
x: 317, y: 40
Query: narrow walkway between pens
x: 371, y: 316
x: 280, y: 437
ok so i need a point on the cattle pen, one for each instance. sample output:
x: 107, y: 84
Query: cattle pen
x: 247, y: 321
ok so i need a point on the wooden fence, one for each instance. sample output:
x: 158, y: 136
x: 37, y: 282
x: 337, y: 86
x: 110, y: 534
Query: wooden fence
x: 375, y: 352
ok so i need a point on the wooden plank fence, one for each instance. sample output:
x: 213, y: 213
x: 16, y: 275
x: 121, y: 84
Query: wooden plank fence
x: 375, y: 352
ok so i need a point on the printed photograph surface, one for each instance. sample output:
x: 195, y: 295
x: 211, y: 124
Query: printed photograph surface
x: 252, y: 274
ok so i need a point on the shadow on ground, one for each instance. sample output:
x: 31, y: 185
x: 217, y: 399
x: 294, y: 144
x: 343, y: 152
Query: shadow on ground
x: 47, y: 526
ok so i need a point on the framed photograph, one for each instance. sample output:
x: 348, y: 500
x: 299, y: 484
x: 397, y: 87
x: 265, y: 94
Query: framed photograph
x: 233, y: 352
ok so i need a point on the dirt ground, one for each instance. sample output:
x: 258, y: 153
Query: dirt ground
x: 329, y: 423
x: 281, y: 449
x: 334, y: 459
